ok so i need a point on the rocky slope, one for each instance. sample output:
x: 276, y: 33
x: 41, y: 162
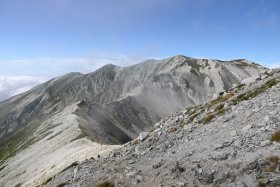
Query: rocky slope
x: 233, y: 140
x: 70, y: 116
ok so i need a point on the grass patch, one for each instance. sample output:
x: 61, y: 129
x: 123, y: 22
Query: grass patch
x: 221, y: 112
x: 273, y: 161
x: 208, y: 118
x: 172, y: 129
x: 220, y: 99
x: 198, y: 111
x: 240, y: 86
x: 47, y: 181
x: 3, y: 167
x: 275, y: 136
x: 105, y: 184
x: 219, y: 107
x: 181, y: 123
x: 256, y: 92
x: 18, y: 185
x: 261, y: 184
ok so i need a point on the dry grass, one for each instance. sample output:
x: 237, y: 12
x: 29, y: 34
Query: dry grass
x: 208, y: 118
x: 172, y: 129
x: 152, y: 129
x: 181, y: 123
x: 273, y: 161
x: 219, y: 107
x: 275, y: 136
x: 256, y: 92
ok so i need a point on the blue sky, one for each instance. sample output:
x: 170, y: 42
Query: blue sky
x: 48, y: 38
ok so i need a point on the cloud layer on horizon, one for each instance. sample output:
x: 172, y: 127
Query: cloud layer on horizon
x: 31, y: 72
x: 13, y: 85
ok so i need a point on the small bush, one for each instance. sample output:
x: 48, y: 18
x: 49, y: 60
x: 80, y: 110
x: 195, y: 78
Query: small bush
x: 208, y: 118
x: 275, y: 136
x: 105, y: 184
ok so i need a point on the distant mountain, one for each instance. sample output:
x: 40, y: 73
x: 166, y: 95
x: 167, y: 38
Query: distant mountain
x: 71, y: 117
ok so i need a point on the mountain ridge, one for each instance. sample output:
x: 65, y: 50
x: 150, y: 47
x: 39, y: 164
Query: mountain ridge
x: 126, y: 99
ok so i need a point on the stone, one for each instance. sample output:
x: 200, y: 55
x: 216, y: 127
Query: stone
x: 143, y: 136
x: 246, y: 128
x: 265, y: 143
x: 139, y: 178
x: 233, y: 133
x: 275, y: 181
x: 206, y: 177
x: 132, y: 174
x: 157, y: 165
x: 157, y: 130
x: 157, y: 125
x: 131, y: 161
x: 76, y: 170
x: 220, y: 156
x: 237, y: 143
x: 179, y: 135
x: 181, y: 184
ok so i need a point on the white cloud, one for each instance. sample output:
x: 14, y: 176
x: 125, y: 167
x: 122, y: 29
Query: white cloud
x: 13, y: 85
x: 41, y: 69
x: 273, y: 65
x: 47, y: 66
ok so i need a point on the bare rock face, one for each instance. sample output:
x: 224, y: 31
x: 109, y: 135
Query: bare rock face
x: 112, y: 105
